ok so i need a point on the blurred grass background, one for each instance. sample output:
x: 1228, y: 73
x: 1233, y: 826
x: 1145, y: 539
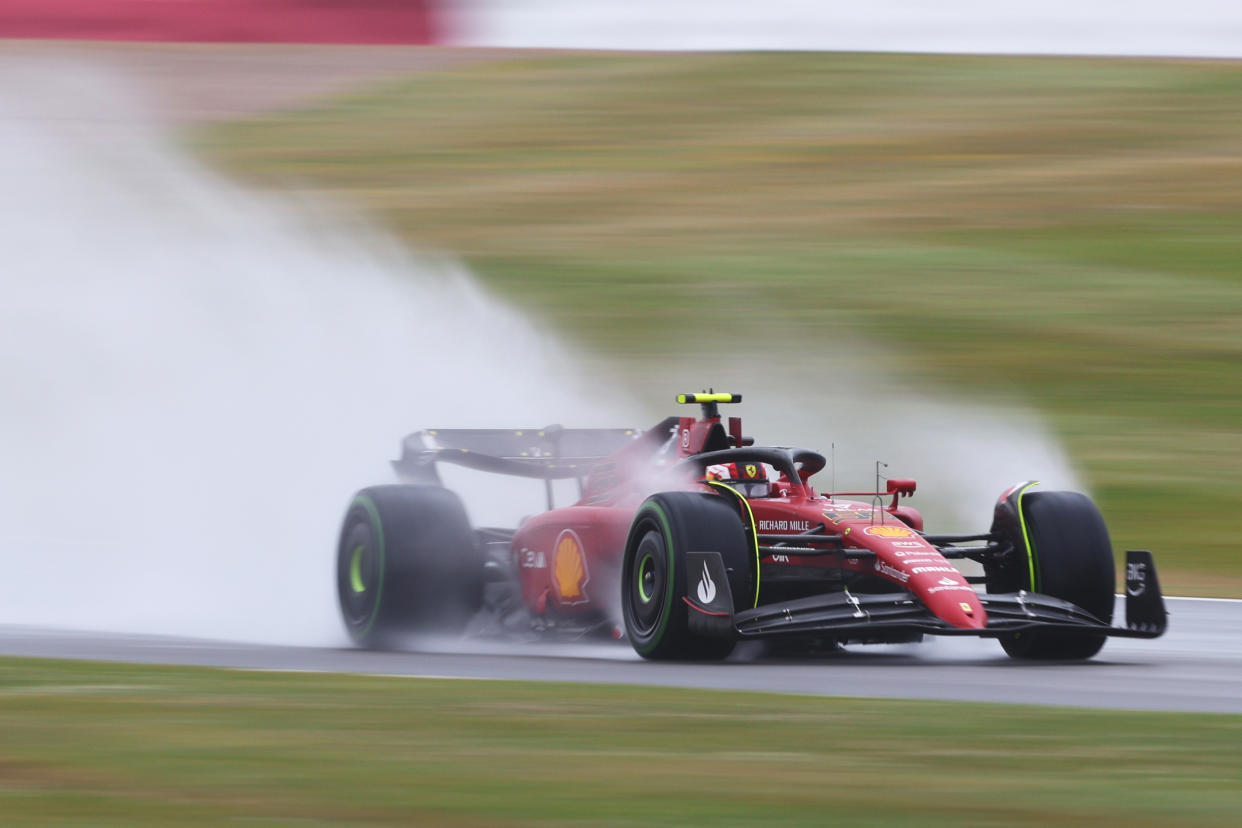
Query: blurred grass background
x: 103, y: 744
x: 1059, y: 233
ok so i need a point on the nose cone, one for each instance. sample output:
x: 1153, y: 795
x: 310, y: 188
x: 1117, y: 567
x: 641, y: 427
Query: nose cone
x: 903, y: 557
x: 955, y: 601
x: 968, y: 614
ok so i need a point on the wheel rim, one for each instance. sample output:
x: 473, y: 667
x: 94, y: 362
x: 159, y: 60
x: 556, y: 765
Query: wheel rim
x: 355, y: 570
x: 646, y: 579
x: 359, y: 565
x: 648, y: 586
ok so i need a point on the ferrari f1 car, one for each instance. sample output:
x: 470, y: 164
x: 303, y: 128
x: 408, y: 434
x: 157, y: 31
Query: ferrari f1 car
x: 687, y: 538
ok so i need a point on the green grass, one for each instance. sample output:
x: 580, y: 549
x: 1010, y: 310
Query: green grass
x: 103, y: 744
x: 1060, y: 233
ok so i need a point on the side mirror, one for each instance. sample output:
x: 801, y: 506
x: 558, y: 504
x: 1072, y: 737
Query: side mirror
x: 899, y: 487
x: 903, y: 486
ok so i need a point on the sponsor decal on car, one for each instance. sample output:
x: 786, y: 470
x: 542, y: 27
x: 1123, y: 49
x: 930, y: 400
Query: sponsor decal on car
x: 569, y: 569
x: 891, y: 571
x: 1136, y: 579
x: 784, y: 526
x: 839, y: 513
x: 888, y: 531
x: 921, y: 569
x: 531, y: 559
x: 959, y: 588
x: 909, y: 545
x: 947, y: 584
x: 706, y: 589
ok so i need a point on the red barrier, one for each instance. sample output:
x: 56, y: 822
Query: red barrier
x: 221, y: 21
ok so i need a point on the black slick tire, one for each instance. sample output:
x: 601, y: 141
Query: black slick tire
x: 653, y: 575
x: 407, y: 562
x: 1064, y: 552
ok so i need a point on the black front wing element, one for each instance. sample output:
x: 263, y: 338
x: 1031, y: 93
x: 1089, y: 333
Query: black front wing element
x: 846, y: 613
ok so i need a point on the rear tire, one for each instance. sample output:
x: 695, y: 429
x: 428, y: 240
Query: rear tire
x: 1072, y: 558
x: 653, y: 572
x: 407, y: 562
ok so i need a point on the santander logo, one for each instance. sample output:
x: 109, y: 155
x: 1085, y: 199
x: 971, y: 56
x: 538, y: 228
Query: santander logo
x: 707, y: 587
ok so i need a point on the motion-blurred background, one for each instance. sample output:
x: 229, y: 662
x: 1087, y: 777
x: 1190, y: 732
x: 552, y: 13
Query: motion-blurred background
x: 248, y: 253
x: 249, y: 244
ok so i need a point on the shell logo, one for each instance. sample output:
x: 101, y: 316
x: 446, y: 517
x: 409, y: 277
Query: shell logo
x: 888, y: 531
x: 569, y: 569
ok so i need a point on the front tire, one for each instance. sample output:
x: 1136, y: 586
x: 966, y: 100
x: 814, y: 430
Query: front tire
x: 407, y: 562
x: 1065, y: 552
x: 654, y: 579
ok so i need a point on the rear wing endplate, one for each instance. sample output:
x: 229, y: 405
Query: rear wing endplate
x: 549, y: 453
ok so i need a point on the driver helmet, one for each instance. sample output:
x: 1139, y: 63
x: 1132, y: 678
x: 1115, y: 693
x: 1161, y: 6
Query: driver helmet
x: 750, y: 479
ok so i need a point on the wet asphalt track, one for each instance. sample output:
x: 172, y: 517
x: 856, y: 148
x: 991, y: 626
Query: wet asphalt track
x: 1196, y: 666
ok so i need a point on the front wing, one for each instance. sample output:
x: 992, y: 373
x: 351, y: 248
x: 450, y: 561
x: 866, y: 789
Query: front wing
x: 847, y: 614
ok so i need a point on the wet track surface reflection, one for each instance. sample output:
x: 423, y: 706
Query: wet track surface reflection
x: 1197, y: 666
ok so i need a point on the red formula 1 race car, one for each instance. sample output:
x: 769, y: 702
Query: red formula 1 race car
x: 689, y: 538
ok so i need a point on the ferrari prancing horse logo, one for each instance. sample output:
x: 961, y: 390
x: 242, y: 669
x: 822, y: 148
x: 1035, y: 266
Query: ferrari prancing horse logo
x: 569, y: 569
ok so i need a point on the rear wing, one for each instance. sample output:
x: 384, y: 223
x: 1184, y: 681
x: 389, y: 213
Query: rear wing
x: 550, y: 453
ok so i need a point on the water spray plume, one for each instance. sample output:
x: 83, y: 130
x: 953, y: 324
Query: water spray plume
x: 197, y: 378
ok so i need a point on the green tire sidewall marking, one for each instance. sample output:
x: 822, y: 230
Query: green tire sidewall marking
x: 1032, y: 560
x: 662, y: 517
x: 378, y: 529
x: 754, y: 533
x: 642, y: 569
x: 355, y: 569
